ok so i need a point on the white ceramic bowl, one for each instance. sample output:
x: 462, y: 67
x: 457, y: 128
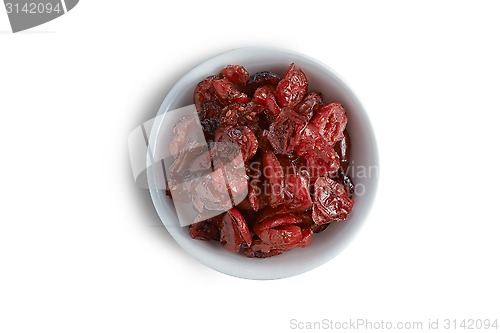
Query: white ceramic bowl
x: 326, y: 245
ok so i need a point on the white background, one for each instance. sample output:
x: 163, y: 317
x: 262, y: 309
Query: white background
x: 81, y: 247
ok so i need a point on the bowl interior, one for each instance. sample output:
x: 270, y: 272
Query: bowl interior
x: 363, y: 169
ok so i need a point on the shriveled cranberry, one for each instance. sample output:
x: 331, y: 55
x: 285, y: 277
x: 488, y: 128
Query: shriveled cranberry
x: 280, y: 231
x: 285, y: 131
x: 205, y: 230
x: 272, y: 108
x: 211, y: 109
x: 209, y: 192
x: 259, y: 249
x: 297, y: 197
x: 228, y: 116
x: 228, y: 92
x: 273, y: 173
x: 260, y: 95
x: 309, y: 104
x: 293, y: 87
x: 331, y: 202
x: 241, y: 136
x: 180, y: 135
x: 203, y: 92
x: 270, y: 211
x: 250, y: 117
x: 321, y: 158
x: 236, y: 178
x: 256, y: 196
x: 234, y: 231
x: 262, y: 79
x: 330, y: 120
x: 235, y: 73
x: 209, y: 117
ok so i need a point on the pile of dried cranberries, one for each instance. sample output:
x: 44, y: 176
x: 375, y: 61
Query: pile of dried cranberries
x: 295, y: 153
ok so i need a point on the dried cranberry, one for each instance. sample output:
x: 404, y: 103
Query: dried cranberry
x: 272, y: 108
x: 209, y: 192
x: 309, y: 104
x: 205, y: 230
x: 235, y: 73
x: 259, y: 249
x: 250, y: 117
x: 262, y: 79
x: 234, y: 231
x: 321, y: 158
x: 330, y: 120
x: 255, y: 192
x: 260, y: 95
x: 180, y: 135
x: 331, y: 202
x: 273, y: 172
x: 211, y: 109
x: 280, y: 231
x: 297, y: 197
x: 228, y: 92
x: 204, y: 91
x: 269, y: 212
x: 285, y: 131
x: 243, y: 137
x: 292, y: 88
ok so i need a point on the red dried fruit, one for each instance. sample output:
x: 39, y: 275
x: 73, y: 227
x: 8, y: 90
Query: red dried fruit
x: 262, y: 79
x: 293, y: 87
x: 228, y: 116
x: 309, y: 104
x: 205, y: 230
x: 331, y: 202
x: 209, y: 192
x: 228, y: 92
x: 273, y: 110
x: 330, y: 120
x: 269, y: 211
x: 235, y: 73
x: 211, y: 109
x: 250, y: 117
x: 260, y: 95
x: 273, y: 173
x: 259, y: 249
x: 234, y: 231
x: 280, y: 231
x: 203, y: 92
x: 180, y: 135
x: 285, y: 131
x: 321, y: 158
x: 297, y: 197
x: 255, y: 193
x: 241, y: 136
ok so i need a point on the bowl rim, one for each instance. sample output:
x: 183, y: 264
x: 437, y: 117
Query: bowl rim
x: 174, y: 231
